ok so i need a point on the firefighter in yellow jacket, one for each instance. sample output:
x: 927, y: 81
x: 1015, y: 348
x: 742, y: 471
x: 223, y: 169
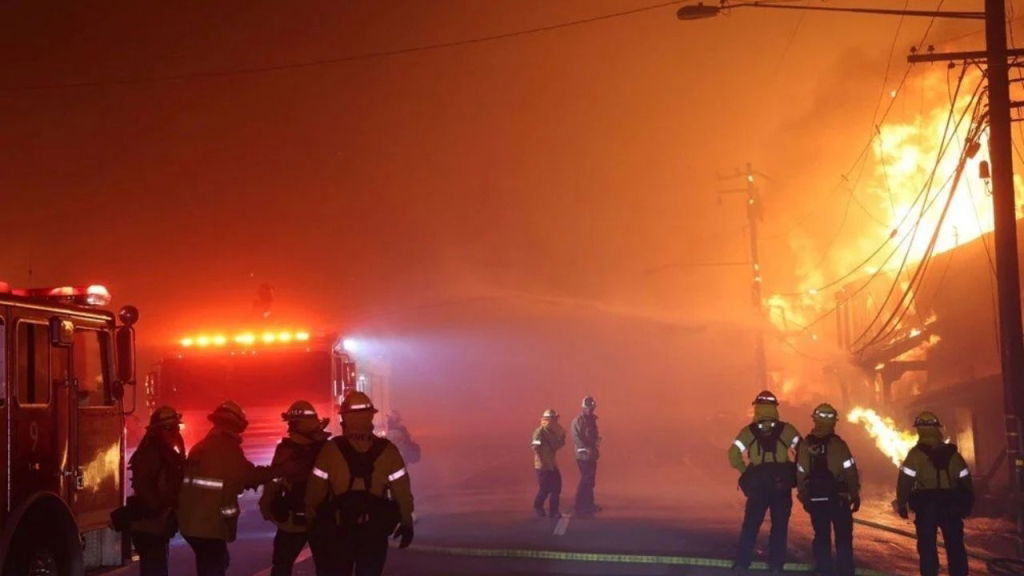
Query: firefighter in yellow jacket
x: 548, y: 439
x: 358, y: 495
x: 767, y: 478
x: 284, y: 500
x: 828, y: 486
x: 935, y: 483
x: 216, y: 472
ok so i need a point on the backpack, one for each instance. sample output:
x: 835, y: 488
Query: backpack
x: 940, y: 457
x: 821, y: 483
x: 768, y: 440
x: 361, y: 508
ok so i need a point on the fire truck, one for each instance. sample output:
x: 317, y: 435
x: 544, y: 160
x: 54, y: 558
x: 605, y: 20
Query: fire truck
x: 66, y: 364
x: 264, y: 371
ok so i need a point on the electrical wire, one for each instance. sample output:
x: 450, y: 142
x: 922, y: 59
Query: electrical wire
x: 323, y: 62
x: 909, y: 295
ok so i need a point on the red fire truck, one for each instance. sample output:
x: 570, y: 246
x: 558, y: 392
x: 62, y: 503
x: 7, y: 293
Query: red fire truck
x: 263, y: 370
x: 66, y: 363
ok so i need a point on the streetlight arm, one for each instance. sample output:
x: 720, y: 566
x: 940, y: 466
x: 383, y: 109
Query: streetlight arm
x: 700, y: 10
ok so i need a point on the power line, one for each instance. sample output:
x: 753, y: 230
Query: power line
x: 317, y: 63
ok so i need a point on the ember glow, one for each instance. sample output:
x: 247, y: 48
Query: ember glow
x: 892, y: 441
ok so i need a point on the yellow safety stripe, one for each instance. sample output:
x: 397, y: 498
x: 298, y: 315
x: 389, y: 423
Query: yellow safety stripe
x: 612, y: 558
x: 211, y: 483
x: 320, y: 473
x: 848, y: 464
x: 965, y: 473
x: 908, y: 471
x: 396, y: 475
x: 739, y: 445
x: 229, y: 511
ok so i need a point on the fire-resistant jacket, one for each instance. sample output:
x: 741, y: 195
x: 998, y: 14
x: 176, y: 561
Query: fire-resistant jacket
x: 839, y: 461
x: 331, y: 477
x: 216, y: 472
x: 157, y: 472
x: 918, y: 473
x: 747, y: 442
x: 546, y: 441
x: 585, y: 437
x: 297, y: 452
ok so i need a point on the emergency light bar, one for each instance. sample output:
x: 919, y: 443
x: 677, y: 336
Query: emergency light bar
x: 243, y: 339
x: 94, y: 295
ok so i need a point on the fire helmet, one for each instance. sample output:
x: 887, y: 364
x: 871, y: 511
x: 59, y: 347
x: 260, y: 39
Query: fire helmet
x: 356, y: 401
x: 549, y: 414
x: 824, y: 412
x: 589, y: 402
x: 298, y: 410
x: 766, y: 397
x: 230, y: 414
x: 164, y: 416
x: 927, y: 419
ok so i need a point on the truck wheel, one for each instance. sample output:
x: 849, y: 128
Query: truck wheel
x: 42, y: 562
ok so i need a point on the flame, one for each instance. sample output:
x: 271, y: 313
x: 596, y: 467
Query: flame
x: 892, y: 441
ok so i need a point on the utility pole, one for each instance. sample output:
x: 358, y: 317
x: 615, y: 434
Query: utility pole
x: 1004, y: 206
x: 754, y: 217
x: 1004, y: 209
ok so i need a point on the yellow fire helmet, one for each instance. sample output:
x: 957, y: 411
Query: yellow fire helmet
x: 824, y: 412
x: 549, y: 414
x: 298, y: 410
x: 356, y: 402
x: 164, y: 416
x: 766, y: 397
x: 926, y: 419
x: 231, y: 413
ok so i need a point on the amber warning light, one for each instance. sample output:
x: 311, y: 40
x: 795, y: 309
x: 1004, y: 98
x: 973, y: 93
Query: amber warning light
x: 220, y: 340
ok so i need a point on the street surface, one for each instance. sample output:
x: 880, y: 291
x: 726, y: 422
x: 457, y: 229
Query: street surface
x: 475, y: 533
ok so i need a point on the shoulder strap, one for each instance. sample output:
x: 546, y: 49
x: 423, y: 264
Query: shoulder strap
x: 360, y: 464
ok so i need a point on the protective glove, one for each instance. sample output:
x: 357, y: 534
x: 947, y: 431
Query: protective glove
x: 854, y: 503
x: 901, y: 509
x: 404, y: 531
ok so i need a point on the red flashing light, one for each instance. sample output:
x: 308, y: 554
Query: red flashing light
x: 243, y: 339
x: 93, y: 295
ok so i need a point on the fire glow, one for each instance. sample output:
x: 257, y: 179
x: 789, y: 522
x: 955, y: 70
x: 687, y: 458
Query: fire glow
x: 892, y: 441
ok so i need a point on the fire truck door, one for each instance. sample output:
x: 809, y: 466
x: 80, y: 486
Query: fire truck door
x: 39, y: 420
x: 97, y: 444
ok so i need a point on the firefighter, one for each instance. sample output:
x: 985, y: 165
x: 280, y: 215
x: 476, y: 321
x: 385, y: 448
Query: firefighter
x: 216, y: 472
x: 767, y: 478
x: 828, y: 486
x: 548, y: 438
x: 935, y: 483
x: 157, y: 466
x: 358, y: 495
x: 284, y: 500
x: 398, y: 434
x: 586, y: 439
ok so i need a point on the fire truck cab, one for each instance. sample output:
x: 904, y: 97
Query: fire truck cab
x: 264, y: 370
x: 65, y: 365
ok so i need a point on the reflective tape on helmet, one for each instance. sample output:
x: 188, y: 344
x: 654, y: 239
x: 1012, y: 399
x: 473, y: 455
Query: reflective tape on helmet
x: 965, y: 473
x: 355, y: 407
x: 739, y: 445
x: 320, y: 473
x: 229, y: 511
x: 209, y: 483
x: 848, y: 464
x: 396, y: 475
x: 908, y: 471
x: 302, y: 413
x: 822, y: 499
x: 536, y: 443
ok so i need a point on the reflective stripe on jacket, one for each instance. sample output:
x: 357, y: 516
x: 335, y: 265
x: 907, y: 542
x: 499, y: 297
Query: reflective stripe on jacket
x: 747, y: 443
x: 216, y: 472
x: 839, y: 462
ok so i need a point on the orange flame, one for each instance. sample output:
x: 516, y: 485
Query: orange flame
x: 892, y: 441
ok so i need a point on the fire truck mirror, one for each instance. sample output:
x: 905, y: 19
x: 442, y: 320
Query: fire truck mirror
x: 62, y: 332
x: 125, y: 356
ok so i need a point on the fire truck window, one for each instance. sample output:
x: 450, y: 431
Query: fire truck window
x: 33, y: 364
x: 91, y: 349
